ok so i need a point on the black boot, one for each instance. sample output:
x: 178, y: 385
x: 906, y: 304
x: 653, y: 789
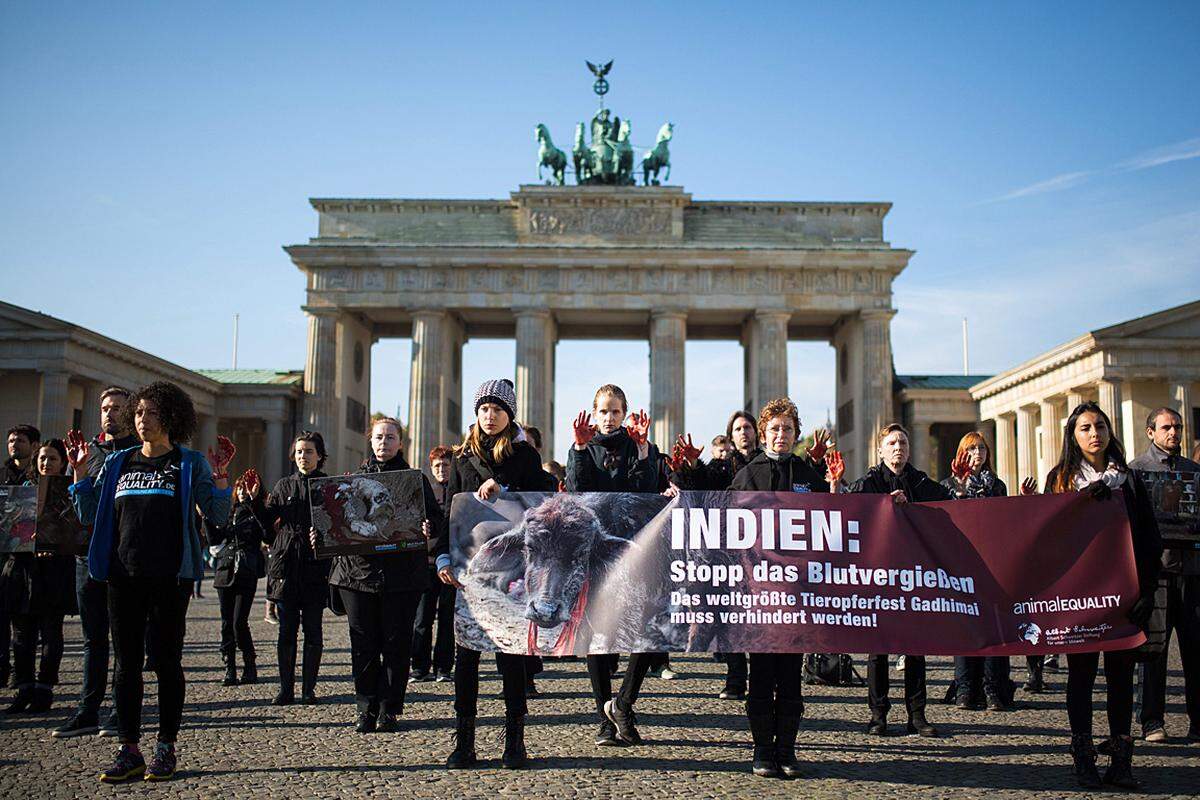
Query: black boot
x: 1120, y: 769
x: 787, y: 725
x: 514, y: 743
x: 43, y: 698
x: 878, y: 724
x: 22, y: 700
x: 463, y: 755
x: 249, y: 670
x: 920, y: 726
x: 1083, y: 753
x: 366, y: 722
x: 762, y: 729
x: 231, y: 678
x: 312, y: 665
x: 287, y: 675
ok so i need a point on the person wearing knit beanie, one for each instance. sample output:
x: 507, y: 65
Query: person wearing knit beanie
x: 499, y: 391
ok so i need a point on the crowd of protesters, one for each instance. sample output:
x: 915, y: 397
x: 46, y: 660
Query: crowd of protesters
x: 153, y: 505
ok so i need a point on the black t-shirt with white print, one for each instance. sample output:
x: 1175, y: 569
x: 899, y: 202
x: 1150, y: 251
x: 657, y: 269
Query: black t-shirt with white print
x: 148, y: 521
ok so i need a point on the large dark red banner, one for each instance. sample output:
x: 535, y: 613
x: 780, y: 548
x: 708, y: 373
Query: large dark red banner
x: 783, y: 572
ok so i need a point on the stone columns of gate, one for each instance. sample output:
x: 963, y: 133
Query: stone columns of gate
x: 1180, y: 392
x: 54, y: 416
x: 426, y: 403
x: 320, y: 382
x: 921, y: 447
x: 1027, y: 466
x: 668, y: 335
x: 1052, y: 426
x: 1005, y: 456
x: 537, y: 335
x: 876, y: 385
x: 1109, y: 399
x: 765, y: 340
x: 275, y: 450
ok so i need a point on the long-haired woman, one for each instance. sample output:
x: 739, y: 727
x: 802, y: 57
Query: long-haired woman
x: 1093, y: 461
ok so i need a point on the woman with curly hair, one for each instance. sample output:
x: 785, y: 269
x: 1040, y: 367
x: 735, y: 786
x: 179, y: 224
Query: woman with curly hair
x: 146, y: 545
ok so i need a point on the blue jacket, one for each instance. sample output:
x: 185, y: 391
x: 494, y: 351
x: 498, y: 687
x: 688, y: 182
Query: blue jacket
x: 95, y: 508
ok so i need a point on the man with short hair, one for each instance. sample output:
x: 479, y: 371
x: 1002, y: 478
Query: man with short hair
x: 19, y: 469
x: 1181, y: 579
x: 92, y: 596
x: 721, y: 447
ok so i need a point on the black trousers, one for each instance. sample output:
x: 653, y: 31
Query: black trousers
x: 600, y: 673
x: 735, y: 672
x: 30, y: 630
x: 133, y: 605
x: 235, y: 620
x: 307, y: 612
x: 381, y: 627
x: 776, y: 684
x: 878, y: 684
x: 1183, y: 617
x: 92, y: 597
x: 466, y: 683
x: 1081, y: 680
x: 437, y: 603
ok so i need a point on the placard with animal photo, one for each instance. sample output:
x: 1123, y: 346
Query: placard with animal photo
x: 1176, y: 500
x: 58, y: 528
x: 18, y: 518
x: 363, y: 514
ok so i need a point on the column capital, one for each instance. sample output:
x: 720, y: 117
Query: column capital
x: 877, y: 313
x: 430, y: 312
x: 669, y: 313
x: 773, y: 314
x: 532, y: 312
x: 321, y: 311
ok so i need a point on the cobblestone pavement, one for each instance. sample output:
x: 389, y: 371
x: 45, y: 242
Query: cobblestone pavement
x: 234, y: 744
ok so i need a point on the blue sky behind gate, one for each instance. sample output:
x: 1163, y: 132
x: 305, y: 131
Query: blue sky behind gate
x: 1043, y: 159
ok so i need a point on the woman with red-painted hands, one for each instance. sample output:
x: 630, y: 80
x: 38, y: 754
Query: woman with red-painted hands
x: 610, y: 456
x: 776, y: 701
x: 145, y: 544
x: 1093, y: 461
x: 895, y: 476
x: 493, y: 458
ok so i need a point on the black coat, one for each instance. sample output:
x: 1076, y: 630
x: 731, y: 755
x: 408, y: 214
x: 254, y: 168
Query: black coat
x: 916, y: 485
x: 610, y: 464
x: 31, y: 584
x: 977, y: 489
x: 1143, y: 528
x: 98, y: 451
x: 791, y: 474
x: 405, y: 571
x: 520, y: 472
x: 294, y: 574
x: 239, y: 563
x: 716, y: 475
x: 13, y: 475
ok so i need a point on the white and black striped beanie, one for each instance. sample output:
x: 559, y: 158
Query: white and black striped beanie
x: 499, y: 391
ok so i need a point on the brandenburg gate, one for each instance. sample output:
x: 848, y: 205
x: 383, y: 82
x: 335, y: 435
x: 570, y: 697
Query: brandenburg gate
x: 593, y: 262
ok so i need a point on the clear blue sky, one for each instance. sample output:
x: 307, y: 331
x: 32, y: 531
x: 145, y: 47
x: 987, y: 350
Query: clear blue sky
x: 1043, y: 159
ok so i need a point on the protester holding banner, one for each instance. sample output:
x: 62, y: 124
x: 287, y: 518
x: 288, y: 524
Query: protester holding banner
x: 492, y: 459
x: 979, y: 681
x: 146, y: 545
x: 380, y: 593
x: 608, y: 456
x: 895, y: 476
x: 18, y: 470
x: 237, y: 566
x: 1093, y: 461
x: 297, y: 581
x: 38, y: 591
x: 776, y: 702
x: 434, y: 660
x: 1181, y: 581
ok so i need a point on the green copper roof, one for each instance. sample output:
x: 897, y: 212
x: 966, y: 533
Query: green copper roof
x: 282, y: 377
x: 939, y: 381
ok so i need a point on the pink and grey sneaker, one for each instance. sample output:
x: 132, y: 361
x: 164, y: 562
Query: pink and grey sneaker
x: 162, y: 765
x: 129, y: 764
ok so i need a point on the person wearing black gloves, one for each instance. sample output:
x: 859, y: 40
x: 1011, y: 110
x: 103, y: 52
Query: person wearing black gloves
x: 776, y: 702
x: 611, y: 457
x: 145, y: 543
x: 1093, y: 461
x: 493, y: 458
x: 297, y: 581
x: 380, y: 593
x: 237, y: 566
x: 37, y: 590
x: 895, y: 476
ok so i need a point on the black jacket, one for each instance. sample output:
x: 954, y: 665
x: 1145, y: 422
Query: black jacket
x: 98, y: 451
x: 790, y: 474
x: 916, y: 485
x: 978, y: 488
x: 1175, y: 561
x: 610, y: 464
x: 716, y: 475
x: 14, y: 475
x: 1143, y: 528
x: 239, y: 563
x: 405, y: 571
x: 31, y: 584
x: 294, y: 574
x: 520, y: 472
